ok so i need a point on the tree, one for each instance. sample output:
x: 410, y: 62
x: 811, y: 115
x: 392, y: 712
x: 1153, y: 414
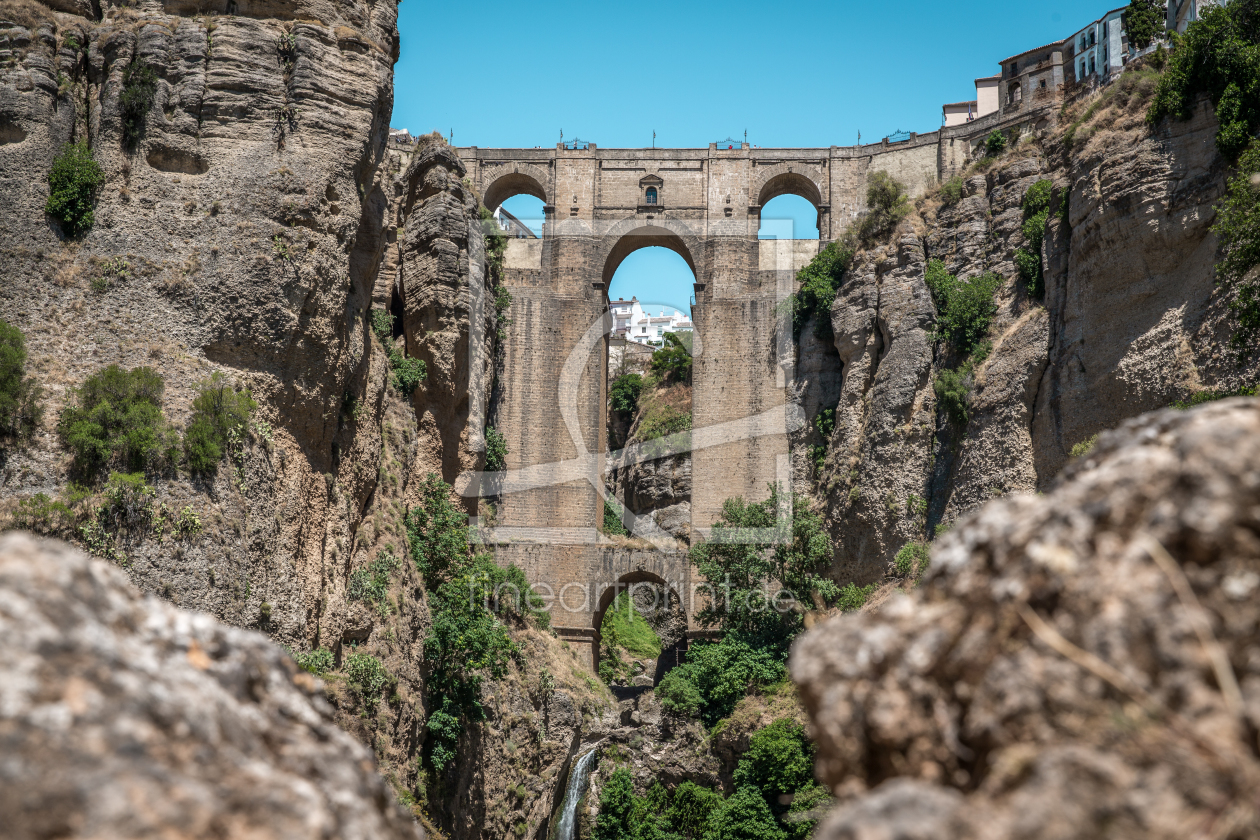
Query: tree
x: 740, y: 560
x: 72, y: 184
x: 690, y: 808
x: 886, y: 204
x: 779, y: 762
x: 116, y: 415
x: 716, y: 675
x: 745, y: 816
x: 20, y: 409
x: 616, y: 807
x: 1144, y: 22
x: 673, y: 360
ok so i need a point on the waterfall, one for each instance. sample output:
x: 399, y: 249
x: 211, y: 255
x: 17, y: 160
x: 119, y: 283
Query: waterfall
x: 578, y: 778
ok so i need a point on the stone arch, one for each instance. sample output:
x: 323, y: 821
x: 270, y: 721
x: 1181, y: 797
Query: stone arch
x: 509, y: 179
x: 670, y: 602
x: 786, y: 178
x: 626, y: 238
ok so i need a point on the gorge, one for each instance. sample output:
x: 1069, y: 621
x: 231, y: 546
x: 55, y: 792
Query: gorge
x: 287, y: 378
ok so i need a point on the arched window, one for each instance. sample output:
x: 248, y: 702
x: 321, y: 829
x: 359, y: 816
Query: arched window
x: 651, y: 195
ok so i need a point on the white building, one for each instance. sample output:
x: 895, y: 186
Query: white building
x: 632, y: 322
x: 986, y: 102
x: 1102, y: 48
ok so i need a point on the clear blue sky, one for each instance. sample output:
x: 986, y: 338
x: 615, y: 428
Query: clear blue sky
x: 799, y: 73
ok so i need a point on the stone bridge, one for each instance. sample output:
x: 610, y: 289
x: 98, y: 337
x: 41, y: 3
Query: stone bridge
x: 600, y: 206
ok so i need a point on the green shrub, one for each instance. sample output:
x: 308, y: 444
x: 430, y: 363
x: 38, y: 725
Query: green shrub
x: 886, y: 205
x: 965, y: 308
x: 994, y: 144
x: 612, y: 519
x: 72, y: 184
x: 220, y: 409
x: 130, y: 503
x: 797, y: 823
x: 496, y: 450
x: 779, y: 762
x: 662, y: 420
x: 1238, y: 228
x: 623, y: 393
x: 673, y: 360
x: 745, y: 816
x: 437, y: 532
x: 21, y: 410
x: 139, y: 88
x: 854, y: 597
x: 820, y: 281
x: 383, y: 325
x: 717, y: 674
x: 1036, y: 213
x: 1218, y: 55
x: 953, y: 393
x: 368, y: 674
x: 187, y: 523
x: 912, y: 560
x: 1085, y: 447
x: 116, y: 417
x: 318, y: 661
x: 372, y: 583
x: 408, y: 372
x: 952, y: 191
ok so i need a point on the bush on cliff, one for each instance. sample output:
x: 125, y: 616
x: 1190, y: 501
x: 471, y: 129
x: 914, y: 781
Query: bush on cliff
x: 1238, y: 227
x: 623, y: 393
x: 115, y: 417
x: 965, y: 308
x: 820, y: 281
x: 1218, y: 55
x: 1036, y: 213
x: 886, y: 205
x: 139, y: 89
x: 20, y: 408
x: 72, y: 184
x: 673, y: 360
x: 221, y: 412
x: 779, y: 762
x: 467, y: 594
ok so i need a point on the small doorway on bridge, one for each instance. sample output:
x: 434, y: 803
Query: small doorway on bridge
x: 648, y: 470
x: 788, y: 216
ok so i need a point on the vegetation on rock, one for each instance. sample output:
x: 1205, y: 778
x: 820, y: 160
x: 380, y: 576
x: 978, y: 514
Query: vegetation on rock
x: 673, y: 361
x: 1218, y: 55
x: 1036, y: 209
x: 115, y: 417
x: 221, y: 411
x: 1238, y: 227
x: 820, y: 281
x: 73, y: 182
x: 965, y: 310
x: 887, y: 203
x: 623, y: 393
x: 496, y: 450
x: 139, y: 89
x: 21, y: 410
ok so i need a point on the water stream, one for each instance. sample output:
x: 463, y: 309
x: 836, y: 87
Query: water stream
x: 578, y: 778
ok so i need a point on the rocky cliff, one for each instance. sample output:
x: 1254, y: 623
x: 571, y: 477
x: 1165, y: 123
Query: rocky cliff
x: 1130, y: 320
x: 246, y: 224
x: 1082, y: 664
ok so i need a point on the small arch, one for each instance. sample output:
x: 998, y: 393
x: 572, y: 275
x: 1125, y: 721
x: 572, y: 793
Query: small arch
x: 671, y: 601
x: 790, y: 182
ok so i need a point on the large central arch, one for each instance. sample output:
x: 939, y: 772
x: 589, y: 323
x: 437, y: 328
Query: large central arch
x: 623, y: 240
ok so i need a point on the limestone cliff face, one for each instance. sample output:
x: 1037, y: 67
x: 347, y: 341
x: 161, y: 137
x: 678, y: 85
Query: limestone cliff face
x: 1131, y: 321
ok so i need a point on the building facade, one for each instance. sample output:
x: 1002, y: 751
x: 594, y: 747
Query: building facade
x: 1182, y: 13
x: 1032, y: 79
x: 1101, y: 49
